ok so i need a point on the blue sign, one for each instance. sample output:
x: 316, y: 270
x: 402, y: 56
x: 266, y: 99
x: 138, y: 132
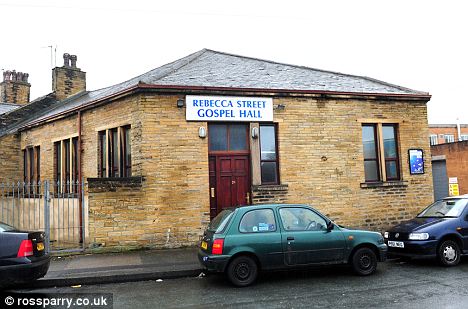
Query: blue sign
x: 416, y: 161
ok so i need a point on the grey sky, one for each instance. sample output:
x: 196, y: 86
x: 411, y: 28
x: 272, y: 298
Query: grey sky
x: 416, y: 44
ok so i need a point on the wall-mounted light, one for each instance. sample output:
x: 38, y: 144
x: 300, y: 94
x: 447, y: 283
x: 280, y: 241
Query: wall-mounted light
x: 202, y: 132
x: 254, y: 132
x: 180, y: 103
x: 280, y: 107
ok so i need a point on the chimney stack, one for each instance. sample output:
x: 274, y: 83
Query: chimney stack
x: 68, y: 79
x: 15, y: 87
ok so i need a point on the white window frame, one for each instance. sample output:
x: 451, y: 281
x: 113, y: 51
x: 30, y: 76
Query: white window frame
x: 433, y: 139
x: 449, y: 138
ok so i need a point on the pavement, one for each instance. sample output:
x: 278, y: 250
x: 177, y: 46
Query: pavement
x: 120, y: 267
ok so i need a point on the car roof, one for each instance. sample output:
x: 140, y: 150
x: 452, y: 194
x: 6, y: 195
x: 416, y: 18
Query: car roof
x: 257, y: 206
x: 464, y: 196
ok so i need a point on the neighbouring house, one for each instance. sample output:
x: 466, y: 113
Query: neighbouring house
x: 447, y: 133
x: 450, y: 169
x: 166, y: 151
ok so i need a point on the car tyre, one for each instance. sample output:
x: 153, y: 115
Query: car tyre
x: 364, y: 262
x: 242, y: 271
x: 449, y: 253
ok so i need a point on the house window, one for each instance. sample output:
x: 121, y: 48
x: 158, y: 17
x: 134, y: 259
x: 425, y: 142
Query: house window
x: 433, y: 139
x: 31, y: 165
x: 464, y: 137
x: 269, y: 154
x: 449, y: 138
x: 66, y: 165
x: 380, y: 165
x: 114, y: 152
x: 228, y: 137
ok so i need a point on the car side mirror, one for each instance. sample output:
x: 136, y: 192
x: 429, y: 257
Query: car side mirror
x: 466, y: 217
x: 330, y: 226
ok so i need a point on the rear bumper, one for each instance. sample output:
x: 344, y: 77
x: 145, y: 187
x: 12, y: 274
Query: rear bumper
x: 22, y: 273
x: 213, y: 263
x: 415, y: 249
x: 383, y: 253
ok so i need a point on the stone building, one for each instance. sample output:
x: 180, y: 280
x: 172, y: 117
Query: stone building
x: 164, y: 152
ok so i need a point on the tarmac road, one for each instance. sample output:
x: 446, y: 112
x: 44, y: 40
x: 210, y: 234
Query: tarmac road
x: 417, y: 284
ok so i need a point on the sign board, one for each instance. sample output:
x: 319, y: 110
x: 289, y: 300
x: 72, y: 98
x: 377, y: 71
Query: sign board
x: 453, y: 189
x: 453, y: 179
x: 416, y: 161
x: 221, y: 108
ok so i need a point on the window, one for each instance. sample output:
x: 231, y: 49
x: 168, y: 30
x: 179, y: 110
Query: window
x: 66, y: 165
x: 449, y: 138
x: 380, y: 165
x: 464, y: 137
x: 268, y: 154
x: 228, y: 137
x: 114, y: 152
x: 301, y: 219
x: 258, y: 221
x: 31, y: 165
x: 433, y: 139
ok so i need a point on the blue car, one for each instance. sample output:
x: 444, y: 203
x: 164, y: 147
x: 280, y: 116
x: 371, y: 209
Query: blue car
x: 439, y: 231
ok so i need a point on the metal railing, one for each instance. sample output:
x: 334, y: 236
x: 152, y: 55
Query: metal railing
x: 53, y: 207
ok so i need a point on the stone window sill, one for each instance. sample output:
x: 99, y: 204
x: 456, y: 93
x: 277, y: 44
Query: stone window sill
x: 270, y: 187
x: 399, y: 183
x: 134, y: 181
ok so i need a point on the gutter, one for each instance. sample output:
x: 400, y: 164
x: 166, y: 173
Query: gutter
x: 271, y: 92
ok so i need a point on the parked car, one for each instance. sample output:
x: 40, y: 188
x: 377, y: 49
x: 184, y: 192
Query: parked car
x: 22, y: 256
x: 242, y: 241
x: 440, y: 230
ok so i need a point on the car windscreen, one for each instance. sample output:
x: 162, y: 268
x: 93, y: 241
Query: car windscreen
x: 218, y: 224
x: 444, y: 208
x: 5, y: 227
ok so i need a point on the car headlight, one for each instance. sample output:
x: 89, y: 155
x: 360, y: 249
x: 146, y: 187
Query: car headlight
x: 418, y: 236
x: 385, y: 234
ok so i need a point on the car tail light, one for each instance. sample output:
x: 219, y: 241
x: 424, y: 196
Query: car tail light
x: 25, y: 249
x: 217, y: 246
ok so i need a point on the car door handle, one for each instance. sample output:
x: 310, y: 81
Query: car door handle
x: 290, y: 238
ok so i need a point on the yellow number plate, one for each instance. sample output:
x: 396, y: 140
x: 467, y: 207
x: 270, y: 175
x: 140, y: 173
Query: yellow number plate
x: 40, y: 246
x: 204, y: 245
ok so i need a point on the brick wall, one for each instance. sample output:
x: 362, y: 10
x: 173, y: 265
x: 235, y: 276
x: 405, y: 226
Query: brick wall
x: 447, y: 130
x: 456, y: 155
x: 11, y: 161
x: 320, y: 157
x: 15, y: 92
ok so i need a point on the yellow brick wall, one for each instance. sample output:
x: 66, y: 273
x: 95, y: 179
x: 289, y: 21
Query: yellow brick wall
x: 11, y: 161
x: 15, y: 92
x: 321, y: 161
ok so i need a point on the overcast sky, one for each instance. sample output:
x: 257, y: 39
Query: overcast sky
x: 416, y: 44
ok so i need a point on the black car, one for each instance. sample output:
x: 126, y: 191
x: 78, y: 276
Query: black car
x: 22, y: 256
x: 440, y: 230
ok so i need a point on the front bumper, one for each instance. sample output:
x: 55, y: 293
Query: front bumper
x: 415, y: 249
x: 23, y: 273
x: 213, y: 263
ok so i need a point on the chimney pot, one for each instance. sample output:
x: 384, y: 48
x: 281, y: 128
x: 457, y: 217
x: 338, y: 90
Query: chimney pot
x: 66, y: 60
x: 73, y: 59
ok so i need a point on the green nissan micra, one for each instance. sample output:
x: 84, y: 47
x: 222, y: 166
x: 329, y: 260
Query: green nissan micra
x: 242, y: 241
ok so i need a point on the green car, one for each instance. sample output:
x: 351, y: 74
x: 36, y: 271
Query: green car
x: 242, y: 241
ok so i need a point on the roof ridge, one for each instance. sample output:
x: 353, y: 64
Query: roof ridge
x: 320, y: 70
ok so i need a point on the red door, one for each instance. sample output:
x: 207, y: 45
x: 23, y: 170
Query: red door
x: 229, y: 169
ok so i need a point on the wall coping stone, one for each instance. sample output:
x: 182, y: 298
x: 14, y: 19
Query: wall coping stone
x: 400, y: 183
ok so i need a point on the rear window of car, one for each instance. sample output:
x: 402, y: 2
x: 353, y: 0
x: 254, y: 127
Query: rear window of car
x: 5, y: 227
x: 218, y: 224
x: 258, y: 221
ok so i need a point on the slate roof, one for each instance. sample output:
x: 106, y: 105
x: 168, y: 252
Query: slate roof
x: 6, y: 107
x: 208, y: 68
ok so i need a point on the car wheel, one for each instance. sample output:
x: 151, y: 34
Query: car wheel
x: 364, y: 262
x: 242, y: 271
x: 449, y: 253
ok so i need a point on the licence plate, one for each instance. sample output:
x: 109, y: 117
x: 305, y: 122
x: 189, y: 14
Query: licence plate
x: 204, y: 245
x: 40, y: 246
x: 397, y: 244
